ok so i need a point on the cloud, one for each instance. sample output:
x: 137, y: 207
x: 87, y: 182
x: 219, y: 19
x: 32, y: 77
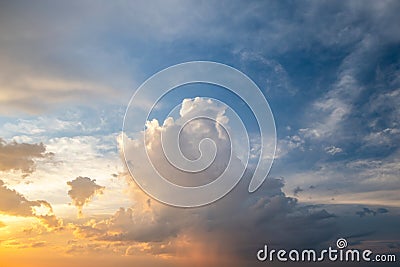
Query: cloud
x: 351, y: 98
x: 297, y: 190
x: 38, y: 244
x: 352, y: 116
x: 367, y: 211
x: 15, y: 204
x: 383, y: 119
x: 270, y: 75
x: 327, y: 53
x: 83, y: 189
x: 382, y: 210
x: 52, y: 68
x: 52, y: 91
x: 192, y: 133
x: 235, y: 225
x: 20, y: 156
x: 58, y: 67
x: 359, y: 181
x: 335, y: 106
x: 332, y: 150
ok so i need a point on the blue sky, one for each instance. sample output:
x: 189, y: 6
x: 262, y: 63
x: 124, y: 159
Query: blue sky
x: 330, y: 71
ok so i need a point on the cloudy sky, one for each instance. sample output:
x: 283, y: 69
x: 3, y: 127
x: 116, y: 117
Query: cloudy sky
x: 330, y: 71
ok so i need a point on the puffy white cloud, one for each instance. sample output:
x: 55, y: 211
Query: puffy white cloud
x: 157, y: 136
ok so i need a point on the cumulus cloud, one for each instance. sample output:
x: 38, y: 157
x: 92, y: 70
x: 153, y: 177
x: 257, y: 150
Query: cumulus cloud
x: 20, y: 156
x: 14, y: 204
x: 189, y: 139
x: 83, y: 189
x: 235, y: 225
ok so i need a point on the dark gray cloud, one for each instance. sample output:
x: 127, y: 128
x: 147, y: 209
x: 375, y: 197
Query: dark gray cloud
x: 297, y: 190
x: 236, y: 225
x: 367, y: 211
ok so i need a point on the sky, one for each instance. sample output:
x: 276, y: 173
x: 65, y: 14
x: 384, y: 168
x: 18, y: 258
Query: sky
x: 330, y: 71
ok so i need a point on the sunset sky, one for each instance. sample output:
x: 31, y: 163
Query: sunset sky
x: 330, y: 71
